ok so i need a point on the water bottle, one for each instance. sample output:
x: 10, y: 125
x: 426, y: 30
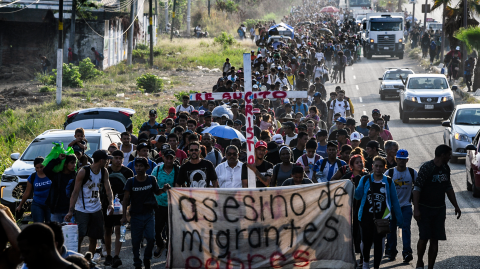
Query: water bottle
x: 123, y: 231
x: 116, y: 207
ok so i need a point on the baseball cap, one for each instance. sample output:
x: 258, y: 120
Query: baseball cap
x: 162, y: 126
x: 255, y: 86
x: 201, y: 112
x: 342, y: 132
x: 356, y: 136
x: 234, y: 105
x: 373, y: 144
x: 225, y: 115
x: 101, y: 154
x: 457, y: 48
x: 169, y: 152
x: 342, y: 120
x: 256, y: 111
x: 322, y: 132
x: 165, y: 147
x: 317, y: 94
x: 278, y: 138
x: 195, y: 111
x: 142, y: 160
x: 238, y: 122
x: 376, y: 111
x: 302, y: 126
x: 261, y: 144
x: 207, y: 114
x: 142, y: 146
x: 402, y: 154
x: 152, y: 112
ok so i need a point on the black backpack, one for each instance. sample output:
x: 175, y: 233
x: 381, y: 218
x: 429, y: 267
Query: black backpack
x: 47, y: 62
x: 71, y: 182
x: 75, y: 57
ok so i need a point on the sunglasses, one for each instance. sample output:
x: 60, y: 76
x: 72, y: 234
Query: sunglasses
x: 161, y: 130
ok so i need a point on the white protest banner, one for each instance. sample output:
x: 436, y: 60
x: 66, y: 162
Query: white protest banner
x: 307, y: 226
x: 239, y: 95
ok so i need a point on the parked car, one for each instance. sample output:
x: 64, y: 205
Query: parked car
x: 14, y: 178
x: 118, y: 118
x: 391, y: 84
x: 472, y: 166
x: 460, y: 129
x: 426, y: 96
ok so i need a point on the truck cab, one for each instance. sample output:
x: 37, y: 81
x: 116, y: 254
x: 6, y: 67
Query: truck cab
x: 384, y: 34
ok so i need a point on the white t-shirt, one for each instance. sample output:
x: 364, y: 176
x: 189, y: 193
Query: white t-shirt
x: 288, y: 139
x: 319, y: 56
x: 311, y: 163
x: 188, y: 109
x: 340, y: 107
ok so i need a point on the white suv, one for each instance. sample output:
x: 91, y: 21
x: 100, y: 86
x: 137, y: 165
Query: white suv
x: 391, y: 83
x: 14, y: 179
x: 426, y: 96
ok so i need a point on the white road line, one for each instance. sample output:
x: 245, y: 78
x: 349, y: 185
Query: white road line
x: 354, y: 77
x: 364, y: 112
x: 360, y: 99
x: 352, y: 67
x: 356, y: 86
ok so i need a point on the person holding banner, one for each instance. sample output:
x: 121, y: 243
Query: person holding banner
x: 297, y: 177
x: 229, y: 172
x: 282, y: 171
x: 263, y: 170
x: 379, y: 200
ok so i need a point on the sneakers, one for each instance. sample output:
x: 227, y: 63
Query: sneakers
x: 146, y: 263
x: 366, y: 265
x: 158, y: 251
x: 116, y: 262
x: 108, y: 260
x: 407, y: 257
x: 104, y: 251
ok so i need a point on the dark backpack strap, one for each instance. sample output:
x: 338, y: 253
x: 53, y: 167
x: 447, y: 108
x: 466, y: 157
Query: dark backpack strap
x: 339, y: 163
x: 324, y: 163
x: 304, y: 160
x: 33, y: 176
x: 412, y: 174
x: 390, y: 172
x: 87, y: 169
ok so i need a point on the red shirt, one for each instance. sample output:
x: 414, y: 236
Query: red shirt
x: 180, y: 154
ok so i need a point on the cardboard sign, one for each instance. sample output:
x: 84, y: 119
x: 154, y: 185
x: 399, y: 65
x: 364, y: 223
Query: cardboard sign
x: 307, y: 226
x: 240, y: 95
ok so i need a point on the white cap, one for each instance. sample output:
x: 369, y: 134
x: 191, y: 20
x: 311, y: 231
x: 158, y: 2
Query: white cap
x: 356, y: 136
x: 214, y: 124
x: 457, y: 48
x: 278, y: 139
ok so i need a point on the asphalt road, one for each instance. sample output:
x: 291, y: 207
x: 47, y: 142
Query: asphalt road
x: 419, y: 137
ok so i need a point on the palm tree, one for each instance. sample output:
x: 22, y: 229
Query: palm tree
x: 471, y: 37
x: 453, y: 17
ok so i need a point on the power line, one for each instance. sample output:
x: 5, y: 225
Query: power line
x: 22, y: 8
x: 143, y: 3
x: 11, y: 3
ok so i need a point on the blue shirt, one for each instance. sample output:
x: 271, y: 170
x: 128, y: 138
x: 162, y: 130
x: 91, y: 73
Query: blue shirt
x: 41, y: 188
x: 361, y: 130
x: 328, y: 171
x: 322, y: 150
x: 152, y: 129
x: 303, y: 108
x: 162, y: 179
x: 152, y: 165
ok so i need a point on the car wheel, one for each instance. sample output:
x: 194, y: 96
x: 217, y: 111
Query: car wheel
x: 405, y: 118
x: 369, y: 56
x: 469, y: 185
x: 400, y: 111
x: 391, y: 55
x: 382, y: 96
x: 475, y: 190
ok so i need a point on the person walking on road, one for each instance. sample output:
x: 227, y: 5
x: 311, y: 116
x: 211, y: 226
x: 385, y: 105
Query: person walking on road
x: 430, y: 211
x: 379, y: 200
x: 403, y: 177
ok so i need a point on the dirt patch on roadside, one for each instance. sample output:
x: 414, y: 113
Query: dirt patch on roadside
x: 20, y: 94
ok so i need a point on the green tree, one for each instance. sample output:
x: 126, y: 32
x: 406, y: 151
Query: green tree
x: 471, y: 37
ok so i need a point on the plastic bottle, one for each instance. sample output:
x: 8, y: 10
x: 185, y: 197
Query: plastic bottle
x: 123, y: 231
x: 116, y: 207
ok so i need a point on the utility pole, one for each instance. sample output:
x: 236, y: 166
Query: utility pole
x: 150, y: 27
x: 173, y: 19
x: 156, y: 16
x: 464, y: 54
x: 413, y: 15
x: 443, y: 34
x: 130, y: 34
x: 208, y: 8
x: 72, y: 25
x: 189, y: 4
x: 425, y: 17
x: 60, y: 52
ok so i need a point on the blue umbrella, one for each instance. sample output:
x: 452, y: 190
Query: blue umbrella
x: 409, y: 18
x: 224, y: 131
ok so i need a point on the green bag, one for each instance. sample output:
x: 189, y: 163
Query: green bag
x: 57, y: 149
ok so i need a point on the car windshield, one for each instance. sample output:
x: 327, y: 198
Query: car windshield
x: 395, y: 75
x: 468, y: 116
x: 427, y: 83
x: 43, y: 146
x: 386, y: 26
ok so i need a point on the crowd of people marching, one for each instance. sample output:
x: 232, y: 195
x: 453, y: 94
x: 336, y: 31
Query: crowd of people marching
x: 297, y: 141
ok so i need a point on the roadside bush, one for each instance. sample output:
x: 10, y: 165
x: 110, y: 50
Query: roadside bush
x: 42, y: 78
x: 47, y: 89
x: 87, y: 70
x: 179, y: 95
x: 225, y: 39
x: 143, y: 53
x: 142, y: 46
x: 150, y: 83
x: 70, y: 76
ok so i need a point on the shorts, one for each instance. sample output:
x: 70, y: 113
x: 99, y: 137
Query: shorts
x: 90, y: 224
x: 432, y: 223
x: 112, y: 221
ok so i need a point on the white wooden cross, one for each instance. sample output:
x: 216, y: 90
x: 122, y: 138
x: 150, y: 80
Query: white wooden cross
x: 248, y: 96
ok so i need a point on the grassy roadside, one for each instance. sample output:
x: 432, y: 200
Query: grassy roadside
x: 20, y: 126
